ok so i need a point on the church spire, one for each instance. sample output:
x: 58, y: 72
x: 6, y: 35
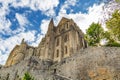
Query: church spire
x: 51, y: 25
x: 23, y: 41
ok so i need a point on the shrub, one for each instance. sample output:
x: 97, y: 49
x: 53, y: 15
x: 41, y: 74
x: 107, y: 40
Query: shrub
x: 27, y: 76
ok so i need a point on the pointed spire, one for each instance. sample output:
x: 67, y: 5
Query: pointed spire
x: 23, y: 41
x: 51, y: 25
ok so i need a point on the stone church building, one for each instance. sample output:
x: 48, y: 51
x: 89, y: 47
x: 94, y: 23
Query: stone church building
x: 62, y: 55
x: 60, y: 41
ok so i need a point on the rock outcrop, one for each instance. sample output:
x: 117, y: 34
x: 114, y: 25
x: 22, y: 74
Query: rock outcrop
x: 92, y: 63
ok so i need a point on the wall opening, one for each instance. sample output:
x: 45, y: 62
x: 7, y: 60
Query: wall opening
x: 57, y: 53
x: 54, y: 71
x: 57, y: 42
x: 66, y: 50
x: 66, y: 38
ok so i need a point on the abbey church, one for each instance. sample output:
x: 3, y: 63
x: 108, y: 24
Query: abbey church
x: 60, y: 41
x: 62, y: 54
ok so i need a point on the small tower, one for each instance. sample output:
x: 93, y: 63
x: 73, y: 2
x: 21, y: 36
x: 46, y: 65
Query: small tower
x: 23, y: 41
x: 50, y: 27
x: 23, y: 46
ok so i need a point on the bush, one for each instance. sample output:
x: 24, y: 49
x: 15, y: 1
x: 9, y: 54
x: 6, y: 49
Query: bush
x: 113, y: 44
x: 27, y: 76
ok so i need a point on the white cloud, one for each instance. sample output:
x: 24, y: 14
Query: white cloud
x: 4, y: 22
x: 8, y: 44
x: 42, y: 5
x: 44, y: 26
x: 37, y: 40
x: 21, y: 19
x: 3, y: 58
x: 46, y: 6
x: 67, y: 5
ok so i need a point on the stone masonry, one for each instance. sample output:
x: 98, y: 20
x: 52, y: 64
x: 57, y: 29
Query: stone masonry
x: 92, y: 63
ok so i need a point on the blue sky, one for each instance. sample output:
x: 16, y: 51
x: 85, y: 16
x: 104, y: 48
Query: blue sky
x: 29, y: 19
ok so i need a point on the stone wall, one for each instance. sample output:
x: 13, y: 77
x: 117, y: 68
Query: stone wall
x: 93, y: 63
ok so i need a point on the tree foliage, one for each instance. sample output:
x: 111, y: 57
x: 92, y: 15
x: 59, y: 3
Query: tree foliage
x: 94, y: 34
x: 118, y: 1
x: 113, y: 25
x: 27, y: 76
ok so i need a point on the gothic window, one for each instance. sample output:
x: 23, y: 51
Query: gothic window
x: 59, y: 30
x: 57, y: 53
x: 57, y: 42
x: 66, y: 50
x: 66, y: 38
x: 66, y: 25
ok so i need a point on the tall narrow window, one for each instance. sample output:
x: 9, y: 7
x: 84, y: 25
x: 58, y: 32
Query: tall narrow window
x: 67, y: 25
x: 57, y: 42
x: 66, y: 51
x: 57, y: 53
x: 66, y: 38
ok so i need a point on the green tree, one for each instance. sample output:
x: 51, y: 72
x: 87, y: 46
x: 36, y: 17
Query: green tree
x: 94, y: 34
x: 113, y: 25
x: 118, y: 1
x: 27, y: 76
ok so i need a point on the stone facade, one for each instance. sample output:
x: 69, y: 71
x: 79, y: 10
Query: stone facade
x: 60, y: 41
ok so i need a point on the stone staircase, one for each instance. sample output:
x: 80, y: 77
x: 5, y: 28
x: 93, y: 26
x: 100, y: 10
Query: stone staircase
x: 61, y: 77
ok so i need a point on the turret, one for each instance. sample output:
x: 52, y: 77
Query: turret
x: 23, y: 41
x: 23, y: 46
x: 50, y: 27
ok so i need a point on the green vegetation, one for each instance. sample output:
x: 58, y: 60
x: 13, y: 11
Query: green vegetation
x: 113, y: 25
x: 27, y: 76
x: 113, y: 44
x: 118, y: 1
x: 94, y: 34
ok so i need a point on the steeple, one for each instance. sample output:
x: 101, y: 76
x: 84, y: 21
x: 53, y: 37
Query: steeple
x: 23, y: 41
x: 51, y: 25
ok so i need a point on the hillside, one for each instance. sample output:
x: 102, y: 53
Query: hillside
x: 94, y: 63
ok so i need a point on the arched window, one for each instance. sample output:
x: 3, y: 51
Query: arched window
x: 57, y: 53
x: 66, y: 25
x: 57, y: 42
x: 66, y: 38
x: 66, y: 50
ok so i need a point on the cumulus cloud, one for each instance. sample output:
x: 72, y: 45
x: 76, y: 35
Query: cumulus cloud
x: 44, y: 26
x: 21, y: 19
x: 4, y: 22
x: 42, y: 5
x: 9, y: 43
x: 3, y: 58
x: 67, y: 5
x: 46, y: 6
